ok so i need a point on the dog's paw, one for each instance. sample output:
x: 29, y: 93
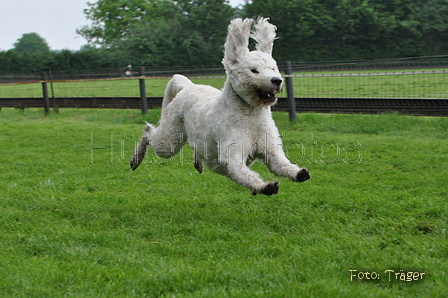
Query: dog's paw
x: 269, y: 189
x: 302, y: 175
x: 138, y: 156
x: 199, y: 166
x: 134, y: 162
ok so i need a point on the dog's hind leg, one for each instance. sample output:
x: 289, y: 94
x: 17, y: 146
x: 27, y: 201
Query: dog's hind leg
x: 198, y: 163
x: 199, y: 166
x: 141, y: 148
x: 169, y: 136
x: 166, y: 140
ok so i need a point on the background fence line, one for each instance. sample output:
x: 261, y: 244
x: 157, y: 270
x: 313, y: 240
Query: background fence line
x: 321, y: 87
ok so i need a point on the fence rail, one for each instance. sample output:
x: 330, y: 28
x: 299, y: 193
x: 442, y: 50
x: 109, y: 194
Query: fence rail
x: 325, y: 87
x: 414, y: 106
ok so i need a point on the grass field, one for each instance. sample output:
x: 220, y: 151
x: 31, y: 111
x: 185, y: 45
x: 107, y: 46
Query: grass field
x: 429, y: 85
x: 75, y: 221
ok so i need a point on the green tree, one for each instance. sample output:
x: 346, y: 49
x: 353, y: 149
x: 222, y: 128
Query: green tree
x: 32, y: 43
x: 8, y: 61
x: 195, y: 37
x: 111, y: 19
x: 209, y: 18
x: 432, y: 17
x: 161, y: 32
x: 166, y: 43
x: 340, y: 29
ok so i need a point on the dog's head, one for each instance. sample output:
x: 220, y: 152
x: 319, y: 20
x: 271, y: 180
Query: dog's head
x: 253, y: 75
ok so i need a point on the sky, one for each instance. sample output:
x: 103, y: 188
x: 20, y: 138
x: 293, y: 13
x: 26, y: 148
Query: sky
x: 54, y: 20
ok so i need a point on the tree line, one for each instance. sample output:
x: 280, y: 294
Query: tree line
x: 192, y: 32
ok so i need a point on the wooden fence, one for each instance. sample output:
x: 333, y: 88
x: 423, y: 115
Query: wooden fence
x: 423, y: 92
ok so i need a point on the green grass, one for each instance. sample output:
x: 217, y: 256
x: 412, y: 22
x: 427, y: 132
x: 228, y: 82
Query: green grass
x: 412, y: 86
x: 77, y: 222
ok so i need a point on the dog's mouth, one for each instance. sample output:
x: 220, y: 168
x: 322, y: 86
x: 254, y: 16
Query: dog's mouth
x: 267, y: 97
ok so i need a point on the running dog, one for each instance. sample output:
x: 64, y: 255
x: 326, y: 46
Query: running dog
x: 229, y: 129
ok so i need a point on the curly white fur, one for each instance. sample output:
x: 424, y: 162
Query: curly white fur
x: 264, y: 35
x: 229, y: 129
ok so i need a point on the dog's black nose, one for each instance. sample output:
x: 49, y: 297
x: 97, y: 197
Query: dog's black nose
x: 276, y: 81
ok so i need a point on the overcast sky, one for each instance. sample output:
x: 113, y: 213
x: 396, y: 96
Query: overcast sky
x: 54, y: 20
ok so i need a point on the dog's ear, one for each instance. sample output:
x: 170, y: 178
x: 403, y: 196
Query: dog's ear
x: 264, y: 35
x: 237, y: 42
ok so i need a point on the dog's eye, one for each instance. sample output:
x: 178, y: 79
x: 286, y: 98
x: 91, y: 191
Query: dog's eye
x: 254, y: 70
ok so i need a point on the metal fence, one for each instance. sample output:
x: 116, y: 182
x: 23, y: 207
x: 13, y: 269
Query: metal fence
x: 332, y: 84
x: 392, y: 84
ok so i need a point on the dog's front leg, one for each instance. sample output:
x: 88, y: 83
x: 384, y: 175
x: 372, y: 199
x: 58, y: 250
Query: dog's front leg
x: 237, y: 170
x: 280, y: 165
x: 241, y: 174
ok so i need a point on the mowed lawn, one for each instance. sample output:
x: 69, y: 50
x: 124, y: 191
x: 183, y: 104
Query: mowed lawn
x: 75, y: 221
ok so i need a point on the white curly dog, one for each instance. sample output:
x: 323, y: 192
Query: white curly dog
x: 229, y: 129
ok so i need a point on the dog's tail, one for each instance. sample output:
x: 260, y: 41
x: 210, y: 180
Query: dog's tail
x: 174, y: 86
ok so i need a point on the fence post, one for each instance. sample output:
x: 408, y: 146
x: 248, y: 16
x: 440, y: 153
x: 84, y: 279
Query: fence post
x: 290, y: 92
x: 144, y: 101
x: 55, y: 106
x: 45, y: 93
